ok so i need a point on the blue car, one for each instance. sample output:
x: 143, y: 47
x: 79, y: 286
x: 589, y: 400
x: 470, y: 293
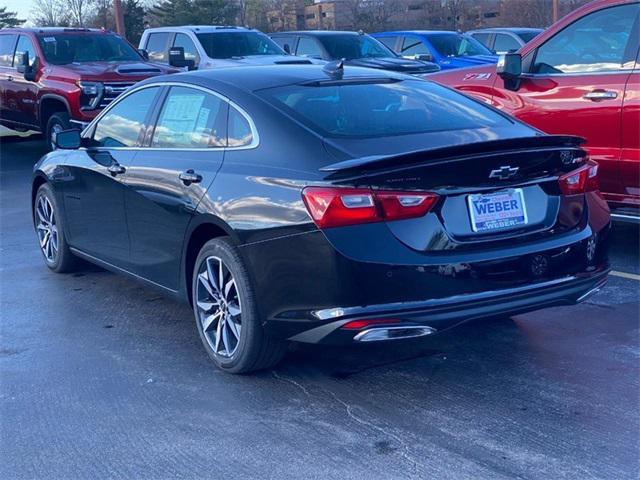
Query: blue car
x: 448, y: 49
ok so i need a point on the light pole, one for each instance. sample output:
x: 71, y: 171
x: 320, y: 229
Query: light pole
x: 117, y: 13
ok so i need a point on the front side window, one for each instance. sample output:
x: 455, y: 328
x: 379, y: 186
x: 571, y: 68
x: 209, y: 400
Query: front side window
x: 412, y: 46
x: 482, y: 37
x: 24, y: 46
x: 238, y: 44
x: 457, y: 45
x: 595, y: 43
x: 389, y: 42
x: 381, y: 108
x: 190, y: 52
x: 157, y: 47
x: 190, y: 118
x: 122, y: 125
x: 505, y: 43
x: 308, y: 47
x: 7, y: 44
x: 66, y: 48
x: 353, y: 47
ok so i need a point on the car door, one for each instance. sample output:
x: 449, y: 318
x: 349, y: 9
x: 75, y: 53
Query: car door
x: 630, y: 156
x: 157, y: 46
x: 21, y: 94
x: 93, y: 187
x: 190, y: 50
x: 167, y: 179
x: 7, y: 48
x: 575, y: 83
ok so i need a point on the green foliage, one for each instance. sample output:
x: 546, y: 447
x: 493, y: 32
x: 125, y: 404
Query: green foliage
x: 9, y: 19
x: 194, y: 12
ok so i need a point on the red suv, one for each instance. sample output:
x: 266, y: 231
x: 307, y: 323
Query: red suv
x: 53, y: 78
x: 581, y: 77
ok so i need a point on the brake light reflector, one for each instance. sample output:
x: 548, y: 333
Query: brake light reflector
x: 337, y: 207
x: 581, y: 180
x: 359, y: 324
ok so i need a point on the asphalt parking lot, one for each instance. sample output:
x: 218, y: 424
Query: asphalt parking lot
x: 101, y: 377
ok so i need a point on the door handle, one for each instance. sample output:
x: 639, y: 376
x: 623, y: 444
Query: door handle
x: 9, y: 78
x: 597, y: 95
x: 116, y: 169
x: 190, y: 177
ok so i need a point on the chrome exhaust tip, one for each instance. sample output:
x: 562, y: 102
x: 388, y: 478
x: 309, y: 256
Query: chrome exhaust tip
x: 393, y: 333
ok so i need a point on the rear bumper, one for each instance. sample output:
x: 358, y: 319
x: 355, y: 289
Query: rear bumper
x: 445, y: 313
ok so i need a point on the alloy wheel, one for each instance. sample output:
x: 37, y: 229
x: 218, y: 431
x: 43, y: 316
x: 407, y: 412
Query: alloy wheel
x: 47, y: 229
x: 218, y: 306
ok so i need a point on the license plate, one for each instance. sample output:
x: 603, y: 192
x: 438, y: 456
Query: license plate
x: 497, y: 211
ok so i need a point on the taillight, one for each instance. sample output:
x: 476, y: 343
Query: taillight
x: 360, y: 324
x: 581, y: 180
x: 337, y: 207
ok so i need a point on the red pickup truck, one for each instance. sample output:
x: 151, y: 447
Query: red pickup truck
x: 580, y: 77
x: 52, y: 78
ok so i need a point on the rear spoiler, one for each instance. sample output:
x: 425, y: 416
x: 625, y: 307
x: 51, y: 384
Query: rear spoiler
x: 377, y: 162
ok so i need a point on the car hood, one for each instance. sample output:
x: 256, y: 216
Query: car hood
x: 110, y: 71
x: 263, y: 60
x: 394, y: 64
x: 470, y: 61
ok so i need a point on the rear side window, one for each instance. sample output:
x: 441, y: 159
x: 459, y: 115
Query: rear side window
x: 190, y: 118
x: 483, y: 38
x: 240, y: 133
x: 157, y: 47
x: 381, y: 108
x: 594, y: 43
x: 121, y: 126
x: 7, y: 44
x: 413, y: 46
x: 308, y: 47
x: 25, y: 45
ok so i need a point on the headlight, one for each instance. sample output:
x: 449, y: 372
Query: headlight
x: 91, y: 94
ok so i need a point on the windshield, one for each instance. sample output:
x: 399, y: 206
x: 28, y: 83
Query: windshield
x: 381, y: 108
x: 238, y: 44
x: 64, y: 48
x: 457, y: 45
x: 354, y: 46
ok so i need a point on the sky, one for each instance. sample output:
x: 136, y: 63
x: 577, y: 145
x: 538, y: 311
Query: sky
x: 23, y: 7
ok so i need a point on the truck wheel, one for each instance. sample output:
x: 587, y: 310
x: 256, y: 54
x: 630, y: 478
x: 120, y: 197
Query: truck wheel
x: 57, y: 123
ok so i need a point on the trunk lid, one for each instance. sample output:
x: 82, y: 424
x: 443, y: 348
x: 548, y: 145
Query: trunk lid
x: 523, y: 169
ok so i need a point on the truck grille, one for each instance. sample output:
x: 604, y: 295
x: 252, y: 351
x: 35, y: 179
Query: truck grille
x: 112, y: 90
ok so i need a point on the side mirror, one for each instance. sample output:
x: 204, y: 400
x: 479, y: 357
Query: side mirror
x: 425, y: 57
x: 287, y: 48
x: 144, y: 53
x: 23, y: 67
x: 68, y: 140
x: 177, y: 59
x: 509, y: 68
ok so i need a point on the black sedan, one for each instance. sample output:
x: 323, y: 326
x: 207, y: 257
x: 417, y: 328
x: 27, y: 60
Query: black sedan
x: 324, y: 205
x: 356, y: 48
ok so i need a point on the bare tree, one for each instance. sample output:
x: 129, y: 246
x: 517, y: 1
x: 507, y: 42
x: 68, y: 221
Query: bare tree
x: 80, y: 10
x: 49, y: 13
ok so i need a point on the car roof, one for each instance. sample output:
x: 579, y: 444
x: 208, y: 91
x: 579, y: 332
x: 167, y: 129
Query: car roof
x: 201, y: 29
x: 317, y: 33
x: 252, y: 78
x: 507, y: 29
x: 55, y: 30
x: 418, y: 32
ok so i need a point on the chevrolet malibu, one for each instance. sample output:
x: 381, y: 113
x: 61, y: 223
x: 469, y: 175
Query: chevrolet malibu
x: 323, y: 204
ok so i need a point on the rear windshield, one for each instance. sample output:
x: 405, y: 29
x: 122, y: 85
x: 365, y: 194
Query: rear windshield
x: 457, y: 45
x: 65, y: 48
x: 387, y: 108
x: 238, y: 44
x: 352, y: 47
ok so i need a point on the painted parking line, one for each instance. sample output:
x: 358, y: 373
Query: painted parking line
x: 630, y: 276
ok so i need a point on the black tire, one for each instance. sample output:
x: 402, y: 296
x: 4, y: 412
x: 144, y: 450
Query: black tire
x: 64, y: 261
x: 57, y: 121
x: 254, y: 350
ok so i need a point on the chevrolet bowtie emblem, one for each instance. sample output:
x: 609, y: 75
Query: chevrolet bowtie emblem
x: 504, y: 172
